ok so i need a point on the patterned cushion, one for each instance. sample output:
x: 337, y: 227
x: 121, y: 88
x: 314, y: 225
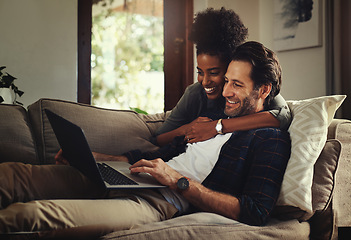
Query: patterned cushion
x: 322, y: 187
x: 308, y: 132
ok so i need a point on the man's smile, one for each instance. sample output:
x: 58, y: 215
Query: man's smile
x: 232, y: 102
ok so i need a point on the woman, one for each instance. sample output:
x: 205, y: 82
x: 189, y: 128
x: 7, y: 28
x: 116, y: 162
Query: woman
x: 216, y: 34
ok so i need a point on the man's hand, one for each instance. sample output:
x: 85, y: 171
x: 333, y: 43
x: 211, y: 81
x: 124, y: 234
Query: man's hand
x: 201, y: 131
x: 59, y: 159
x: 159, y: 170
x: 197, y: 194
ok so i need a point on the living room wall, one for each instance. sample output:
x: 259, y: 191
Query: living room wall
x: 304, y: 70
x: 38, y: 44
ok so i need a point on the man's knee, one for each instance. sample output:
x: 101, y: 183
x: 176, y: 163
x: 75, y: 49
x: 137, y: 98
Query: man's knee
x: 31, y: 216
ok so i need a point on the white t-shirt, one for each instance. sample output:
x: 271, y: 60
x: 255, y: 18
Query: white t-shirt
x: 195, y: 163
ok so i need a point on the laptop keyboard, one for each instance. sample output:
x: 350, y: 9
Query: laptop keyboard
x: 113, y: 177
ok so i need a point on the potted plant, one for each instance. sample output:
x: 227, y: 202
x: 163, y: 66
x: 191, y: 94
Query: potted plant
x: 7, y: 81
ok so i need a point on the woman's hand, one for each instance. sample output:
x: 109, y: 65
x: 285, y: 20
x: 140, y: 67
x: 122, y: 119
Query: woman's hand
x: 59, y: 159
x: 187, y: 128
x: 184, y: 130
x: 201, y: 131
x: 106, y: 157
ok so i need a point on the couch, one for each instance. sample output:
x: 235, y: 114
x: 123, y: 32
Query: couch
x: 26, y: 136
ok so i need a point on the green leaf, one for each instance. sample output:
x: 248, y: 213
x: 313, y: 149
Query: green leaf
x: 138, y: 110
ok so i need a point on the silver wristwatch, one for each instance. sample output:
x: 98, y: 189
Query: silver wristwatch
x: 219, y: 127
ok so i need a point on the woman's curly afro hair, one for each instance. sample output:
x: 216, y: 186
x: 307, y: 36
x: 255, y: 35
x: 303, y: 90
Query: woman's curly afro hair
x: 217, y: 32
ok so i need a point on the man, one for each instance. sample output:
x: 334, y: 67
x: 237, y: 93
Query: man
x: 237, y: 175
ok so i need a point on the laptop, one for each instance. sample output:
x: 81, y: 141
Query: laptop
x: 107, y: 174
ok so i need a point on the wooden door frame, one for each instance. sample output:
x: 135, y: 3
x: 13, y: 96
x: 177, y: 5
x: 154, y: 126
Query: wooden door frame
x: 177, y: 78
x: 84, y: 51
x: 178, y: 53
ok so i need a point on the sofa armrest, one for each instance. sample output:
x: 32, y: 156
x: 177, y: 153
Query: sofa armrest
x: 340, y: 129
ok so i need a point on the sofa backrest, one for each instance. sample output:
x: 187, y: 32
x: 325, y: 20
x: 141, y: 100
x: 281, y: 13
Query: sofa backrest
x: 107, y: 131
x: 16, y: 137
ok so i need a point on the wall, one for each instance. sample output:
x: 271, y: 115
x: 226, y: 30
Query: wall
x: 38, y: 45
x: 304, y: 70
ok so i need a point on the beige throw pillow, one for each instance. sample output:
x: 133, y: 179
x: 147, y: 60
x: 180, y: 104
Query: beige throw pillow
x: 308, y: 132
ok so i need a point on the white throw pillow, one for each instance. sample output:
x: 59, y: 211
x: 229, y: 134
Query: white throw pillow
x: 308, y: 133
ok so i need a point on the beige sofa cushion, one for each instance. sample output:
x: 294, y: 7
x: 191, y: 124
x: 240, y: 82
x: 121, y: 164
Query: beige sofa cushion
x: 212, y: 226
x: 16, y: 141
x: 194, y: 226
x: 324, y: 177
x: 107, y: 131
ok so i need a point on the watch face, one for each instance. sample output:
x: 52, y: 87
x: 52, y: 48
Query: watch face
x: 219, y: 127
x: 183, y: 183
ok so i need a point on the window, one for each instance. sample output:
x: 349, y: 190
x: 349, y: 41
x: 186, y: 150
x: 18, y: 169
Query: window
x: 127, y: 55
x: 178, y: 51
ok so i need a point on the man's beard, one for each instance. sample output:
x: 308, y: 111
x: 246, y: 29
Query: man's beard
x: 247, y: 106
